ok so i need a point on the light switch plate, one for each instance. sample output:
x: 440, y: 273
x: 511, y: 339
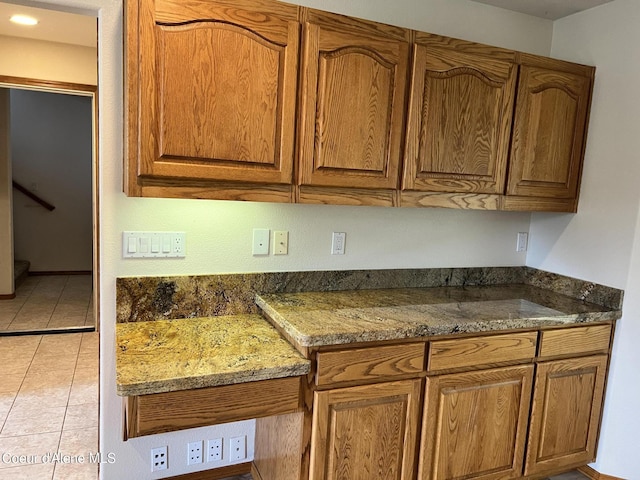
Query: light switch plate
x: 260, y: 244
x: 280, y: 242
x: 153, y: 244
x: 238, y: 448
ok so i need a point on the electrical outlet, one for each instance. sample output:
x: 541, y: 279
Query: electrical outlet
x: 338, y: 240
x: 159, y: 459
x: 178, y: 242
x: 238, y: 448
x: 214, y: 450
x: 521, y: 243
x: 194, y: 452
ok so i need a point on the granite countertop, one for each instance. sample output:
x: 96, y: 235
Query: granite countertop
x: 169, y: 355
x: 315, y: 319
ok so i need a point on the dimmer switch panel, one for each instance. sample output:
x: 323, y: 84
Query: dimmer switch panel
x: 153, y: 244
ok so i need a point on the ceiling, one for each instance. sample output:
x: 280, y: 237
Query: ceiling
x: 53, y: 26
x: 549, y: 9
x: 56, y: 26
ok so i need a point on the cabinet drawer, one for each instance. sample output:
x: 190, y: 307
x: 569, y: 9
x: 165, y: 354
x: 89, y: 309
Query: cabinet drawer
x: 569, y: 341
x: 372, y: 363
x: 172, y: 411
x: 471, y: 352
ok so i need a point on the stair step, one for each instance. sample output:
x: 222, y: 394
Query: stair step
x: 20, y: 271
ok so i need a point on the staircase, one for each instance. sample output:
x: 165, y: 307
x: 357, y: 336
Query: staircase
x: 20, y: 271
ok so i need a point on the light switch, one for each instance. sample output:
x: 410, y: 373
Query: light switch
x: 153, y: 244
x: 144, y: 244
x: 132, y: 244
x: 166, y: 243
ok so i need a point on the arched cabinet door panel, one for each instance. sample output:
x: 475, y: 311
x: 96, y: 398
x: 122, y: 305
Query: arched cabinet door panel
x: 353, y: 84
x: 460, y: 113
x: 212, y: 94
x: 548, y: 133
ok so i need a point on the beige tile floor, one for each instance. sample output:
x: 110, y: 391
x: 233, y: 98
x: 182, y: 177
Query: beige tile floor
x: 49, y: 302
x: 48, y: 405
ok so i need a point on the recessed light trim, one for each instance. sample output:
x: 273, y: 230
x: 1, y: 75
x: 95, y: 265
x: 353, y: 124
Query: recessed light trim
x: 24, y: 20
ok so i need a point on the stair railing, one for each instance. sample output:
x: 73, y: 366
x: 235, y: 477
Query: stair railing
x: 32, y: 196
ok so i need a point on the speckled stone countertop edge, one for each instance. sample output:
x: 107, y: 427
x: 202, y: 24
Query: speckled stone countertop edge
x: 213, y: 380
x: 427, y: 331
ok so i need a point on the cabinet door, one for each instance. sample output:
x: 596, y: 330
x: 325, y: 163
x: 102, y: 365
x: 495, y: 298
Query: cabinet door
x: 212, y: 90
x: 565, y: 416
x: 549, y: 133
x: 352, y: 112
x: 366, y: 432
x: 475, y: 424
x: 459, y: 122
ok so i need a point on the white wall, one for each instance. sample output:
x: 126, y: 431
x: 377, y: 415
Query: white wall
x: 598, y: 242
x: 603, y: 230
x: 6, y: 238
x: 52, y: 148
x: 219, y: 233
x: 23, y: 57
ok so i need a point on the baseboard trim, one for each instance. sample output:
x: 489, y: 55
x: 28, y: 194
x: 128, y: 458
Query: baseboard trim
x: 8, y: 296
x: 216, y: 473
x: 69, y: 272
x: 47, y: 331
x: 595, y: 475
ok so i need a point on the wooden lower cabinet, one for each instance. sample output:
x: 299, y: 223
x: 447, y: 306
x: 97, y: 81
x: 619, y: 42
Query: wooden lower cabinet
x: 475, y: 424
x: 366, y: 432
x: 565, y: 416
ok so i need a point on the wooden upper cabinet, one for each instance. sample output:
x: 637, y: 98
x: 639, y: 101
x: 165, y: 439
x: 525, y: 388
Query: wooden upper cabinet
x: 460, y: 112
x: 549, y: 128
x: 477, y: 138
x: 353, y: 83
x: 211, y: 90
x: 267, y: 101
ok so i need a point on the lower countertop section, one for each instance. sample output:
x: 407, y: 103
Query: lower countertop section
x: 170, y: 355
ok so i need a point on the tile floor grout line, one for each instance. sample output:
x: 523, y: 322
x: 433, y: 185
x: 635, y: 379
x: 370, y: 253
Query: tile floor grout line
x: 57, y: 439
x: 24, y: 376
x: 37, y: 282
x: 53, y: 311
x: 77, y: 295
x: 20, y: 309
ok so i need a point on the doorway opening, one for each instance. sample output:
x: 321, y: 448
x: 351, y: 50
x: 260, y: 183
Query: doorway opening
x: 55, y: 206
